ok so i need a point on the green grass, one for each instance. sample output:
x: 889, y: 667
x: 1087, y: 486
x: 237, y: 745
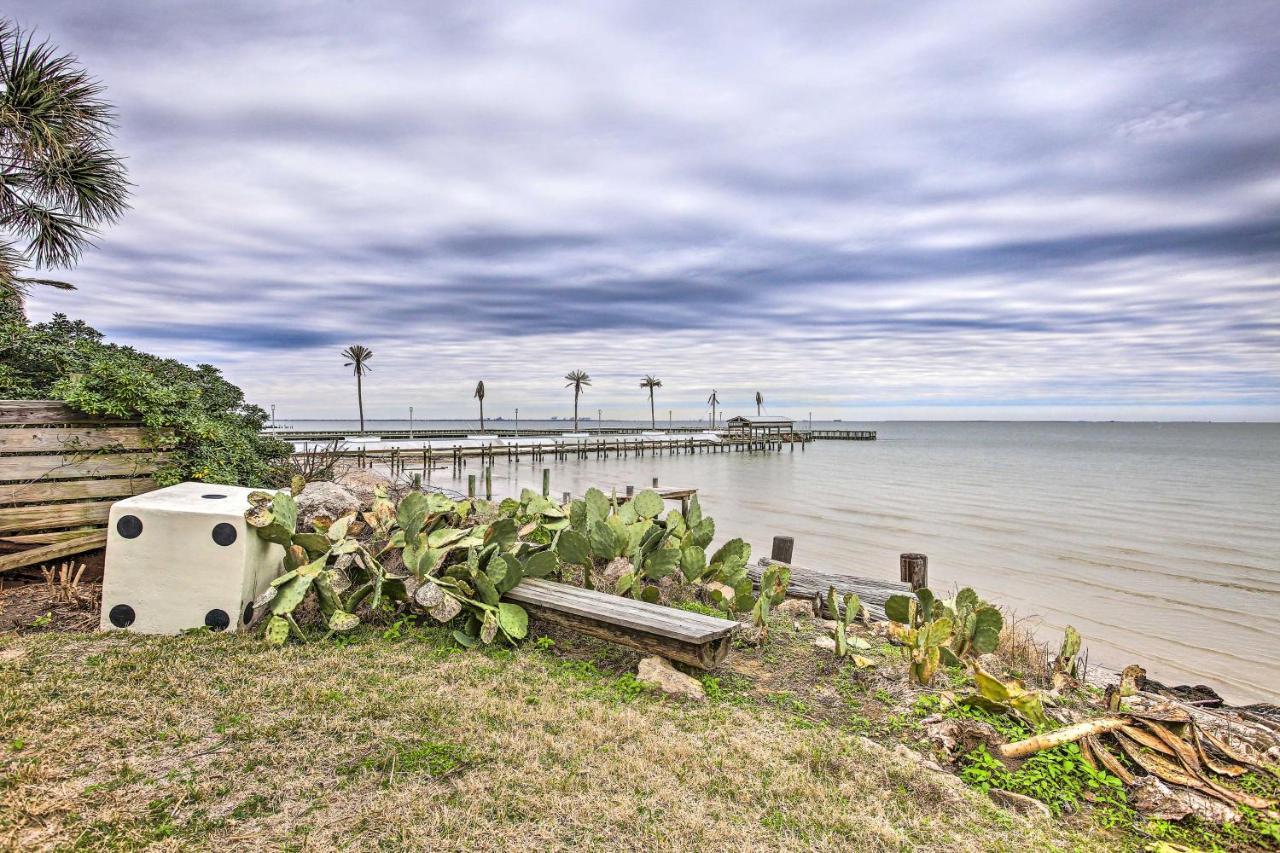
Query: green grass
x: 115, y: 742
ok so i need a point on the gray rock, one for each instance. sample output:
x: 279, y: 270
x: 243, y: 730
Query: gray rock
x: 362, y: 482
x: 659, y: 672
x: 795, y: 608
x: 321, y: 498
x: 1020, y: 803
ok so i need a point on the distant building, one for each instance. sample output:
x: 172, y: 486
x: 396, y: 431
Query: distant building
x: 760, y: 426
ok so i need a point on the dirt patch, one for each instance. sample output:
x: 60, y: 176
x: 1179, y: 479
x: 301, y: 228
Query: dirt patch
x: 52, y: 604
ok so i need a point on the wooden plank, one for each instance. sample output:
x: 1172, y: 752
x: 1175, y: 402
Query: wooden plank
x: 32, y: 519
x: 48, y: 553
x: 71, y: 439
x: 78, y: 466
x: 47, y: 491
x: 706, y: 655
x: 46, y: 412
x: 680, y: 625
x: 29, y: 539
x: 669, y: 624
x: 810, y: 583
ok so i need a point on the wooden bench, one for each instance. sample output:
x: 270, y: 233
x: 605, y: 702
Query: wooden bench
x: 812, y: 584
x: 692, y: 638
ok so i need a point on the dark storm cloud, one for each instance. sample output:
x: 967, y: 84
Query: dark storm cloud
x: 862, y: 203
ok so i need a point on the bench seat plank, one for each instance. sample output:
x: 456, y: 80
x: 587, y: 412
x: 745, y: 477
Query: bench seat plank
x: 692, y: 638
x: 670, y: 622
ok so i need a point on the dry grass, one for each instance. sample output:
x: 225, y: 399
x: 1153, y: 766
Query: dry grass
x: 119, y: 742
x: 1021, y: 654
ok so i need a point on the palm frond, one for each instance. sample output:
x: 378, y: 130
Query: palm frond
x: 59, y: 179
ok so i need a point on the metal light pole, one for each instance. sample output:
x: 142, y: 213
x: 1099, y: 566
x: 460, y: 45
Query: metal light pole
x: 411, y: 422
x: 517, y: 423
x: 668, y: 419
x: 811, y: 422
x: 273, y: 415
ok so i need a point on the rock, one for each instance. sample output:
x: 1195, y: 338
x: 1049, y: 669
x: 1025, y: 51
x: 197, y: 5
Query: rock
x: 616, y: 568
x: 825, y: 643
x: 659, y: 672
x: 990, y: 663
x: 904, y: 752
x: 795, y: 608
x: 1157, y: 800
x: 362, y: 482
x: 959, y: 736
x: 1020, y: 803
x: 712, y: 586
x: 322, y: 498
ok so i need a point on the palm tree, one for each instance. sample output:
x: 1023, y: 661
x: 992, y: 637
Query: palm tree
x: 358, y: 360
x: 578, y: 379
x: 713, y: 400
x: 59, y: 180
x: 479, y: 395
x: 651, y: 383
x: 759, y: 402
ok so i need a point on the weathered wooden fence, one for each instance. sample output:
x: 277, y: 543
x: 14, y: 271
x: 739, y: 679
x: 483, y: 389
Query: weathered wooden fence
x: 60, y: 471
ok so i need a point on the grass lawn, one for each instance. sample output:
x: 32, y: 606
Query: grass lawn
x: 399, y: 740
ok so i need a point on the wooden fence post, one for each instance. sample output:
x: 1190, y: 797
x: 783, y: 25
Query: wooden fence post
x: 471, y: 485
x: 784, y: 548
x: 546, y: 482
x: 914, y: 569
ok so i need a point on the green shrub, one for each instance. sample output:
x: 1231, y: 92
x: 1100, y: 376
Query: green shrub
x: 200, y: 418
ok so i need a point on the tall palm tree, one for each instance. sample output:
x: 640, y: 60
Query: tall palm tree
x: 358, y: 360
x: 59, y: 180
x: 578, y: 379
x: 479, y: 395
x: 759, y: 402
x: 651, y: 382
x: 713, y: 400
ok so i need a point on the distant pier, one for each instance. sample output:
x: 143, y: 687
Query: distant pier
x: 506, y: 433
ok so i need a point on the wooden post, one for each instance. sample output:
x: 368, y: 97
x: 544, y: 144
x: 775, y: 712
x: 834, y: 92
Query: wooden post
x: 631, y: 491
x: 488, y: 482
x: 471, y: 485
x: 655, y: 482
x: 914, y: 569
x: 417, y: 482
x: 784, y: 548
x: 546, y: 482
x: 568, y: 498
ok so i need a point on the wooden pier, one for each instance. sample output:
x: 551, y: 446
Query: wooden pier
x: 505, y: 433
x: 429, y: 459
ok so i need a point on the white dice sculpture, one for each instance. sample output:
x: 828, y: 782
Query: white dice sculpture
x: 182, y: 557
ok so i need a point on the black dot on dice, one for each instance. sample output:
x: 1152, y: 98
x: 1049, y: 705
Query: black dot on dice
x: 248, y: 613
x: 212, y: 497
x: 121, y: 615
x: 129, y: 526
x: 224, y: 534
x: 217, y: 619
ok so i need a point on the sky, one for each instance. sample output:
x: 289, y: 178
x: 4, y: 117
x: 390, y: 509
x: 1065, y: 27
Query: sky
x: 864, y: 210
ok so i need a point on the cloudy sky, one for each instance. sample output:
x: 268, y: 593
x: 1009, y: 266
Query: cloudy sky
x: 866, y: 210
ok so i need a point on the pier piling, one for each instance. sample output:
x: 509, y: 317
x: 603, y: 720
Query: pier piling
x: 914, y: 569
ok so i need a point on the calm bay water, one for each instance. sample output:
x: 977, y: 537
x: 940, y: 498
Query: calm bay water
x: 1159, y: 542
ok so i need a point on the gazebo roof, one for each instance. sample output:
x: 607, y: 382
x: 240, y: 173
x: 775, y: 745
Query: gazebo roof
x: 762, y: 420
